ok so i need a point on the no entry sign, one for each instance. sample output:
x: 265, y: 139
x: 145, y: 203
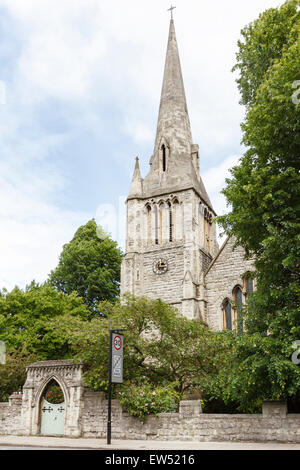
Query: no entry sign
x: 117, y: 358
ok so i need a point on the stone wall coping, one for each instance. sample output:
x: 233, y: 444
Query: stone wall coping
x: 190, y: 402
x: 16, y: 395
x: 228, y: 416
x: 88, y: 392
x: 274, y: 402
x: 56, y: 363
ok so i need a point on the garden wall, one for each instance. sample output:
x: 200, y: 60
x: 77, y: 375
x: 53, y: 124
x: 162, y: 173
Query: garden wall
x: 191, y: 424
x: 86, y: 414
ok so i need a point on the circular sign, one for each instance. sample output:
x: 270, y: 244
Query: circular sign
x: 117, y: 342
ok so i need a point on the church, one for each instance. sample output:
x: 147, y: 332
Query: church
x: 172, y: 251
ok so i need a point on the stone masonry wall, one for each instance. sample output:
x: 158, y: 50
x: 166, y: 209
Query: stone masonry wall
x: 224, y: 274
x: 188, y: 424
x: 191, y: 424
x: 168, y: 288
x: 10, y: 415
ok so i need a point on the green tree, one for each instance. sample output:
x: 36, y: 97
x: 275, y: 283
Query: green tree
x: 25, y: 320
x: 264, y: 194
x: 166, y: 355
x: 90, y: 266
x: 263, y: 43
x: 13, y: 372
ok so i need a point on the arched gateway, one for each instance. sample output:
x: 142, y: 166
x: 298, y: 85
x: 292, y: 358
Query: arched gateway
x: 52, y: 398
x: 52, y: 410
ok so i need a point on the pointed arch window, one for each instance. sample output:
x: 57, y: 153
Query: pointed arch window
x: 248, y: 285
x: 161, y: 221
x: 156, y: 226
x: 238, y: 302
x: 176, y: 220
x: 248, y: 290
x: 170, y: 222
x: 148, y: 224
x: 227, y: 315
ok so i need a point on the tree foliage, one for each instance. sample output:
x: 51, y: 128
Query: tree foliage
x: 166, y: 355
x: 264, y: 194
x: 263, y: 43
x: 13, y: 372
x: 90, y: 266
x: 25, y: 320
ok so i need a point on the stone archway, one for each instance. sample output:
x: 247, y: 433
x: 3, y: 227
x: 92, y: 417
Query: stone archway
x: 69, y: 378
x: 52, y: 409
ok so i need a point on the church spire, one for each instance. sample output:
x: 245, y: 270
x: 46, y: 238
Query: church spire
x: 174, y: 165
x: 173, y: 121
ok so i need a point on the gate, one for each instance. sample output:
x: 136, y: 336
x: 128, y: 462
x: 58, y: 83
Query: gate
x: 53, y: 410
x: 53, y: 418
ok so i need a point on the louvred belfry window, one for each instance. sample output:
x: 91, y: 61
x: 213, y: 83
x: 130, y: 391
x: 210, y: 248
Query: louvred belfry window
x: 164, y: 157
x: 170, y: 223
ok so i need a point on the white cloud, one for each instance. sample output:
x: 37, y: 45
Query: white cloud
x: 139, y: 131
x: 74, y: 49
x: 91, y: 52
x: 32, y: 230
x: 30, y: 248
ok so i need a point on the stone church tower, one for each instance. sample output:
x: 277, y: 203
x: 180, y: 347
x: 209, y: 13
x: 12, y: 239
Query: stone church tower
x: 170, y: 239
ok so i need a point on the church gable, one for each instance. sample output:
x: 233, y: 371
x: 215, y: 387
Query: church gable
x: 224, y: 282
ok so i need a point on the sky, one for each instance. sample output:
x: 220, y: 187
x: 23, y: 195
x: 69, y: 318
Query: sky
x: 80, y: 84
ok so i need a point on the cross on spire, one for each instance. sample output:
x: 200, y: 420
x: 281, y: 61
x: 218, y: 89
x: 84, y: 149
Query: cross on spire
x: 171, y: 10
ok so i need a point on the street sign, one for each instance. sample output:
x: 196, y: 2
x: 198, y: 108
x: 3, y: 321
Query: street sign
x: 117, y: 358
x: 115, y: 370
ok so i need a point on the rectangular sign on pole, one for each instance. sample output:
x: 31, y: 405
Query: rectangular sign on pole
x: 115, y: 370
x: 117, y: 358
